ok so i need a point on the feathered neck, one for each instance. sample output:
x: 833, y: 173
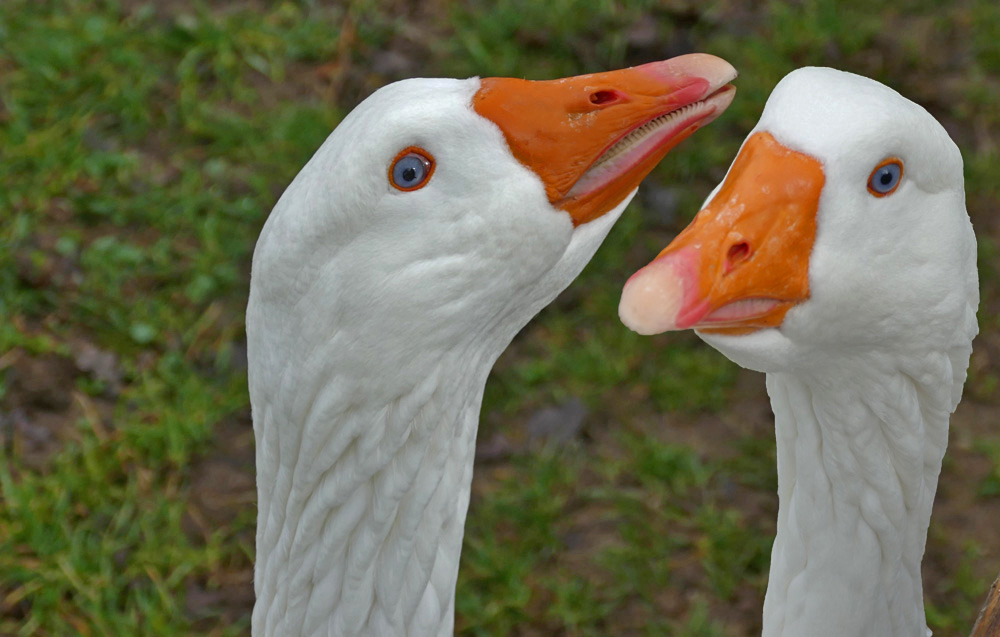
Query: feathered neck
x: 860, y: 446
x: 362, y: 500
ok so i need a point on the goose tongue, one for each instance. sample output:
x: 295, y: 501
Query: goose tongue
x: 561, y: 128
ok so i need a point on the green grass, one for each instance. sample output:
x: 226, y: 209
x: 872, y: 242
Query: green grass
x: 142, y: 145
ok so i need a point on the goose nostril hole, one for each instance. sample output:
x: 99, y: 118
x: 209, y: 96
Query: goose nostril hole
x: 604, y: 97
x: 737, y: 252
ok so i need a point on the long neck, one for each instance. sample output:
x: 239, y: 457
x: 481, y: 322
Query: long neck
x: 859, y: 453
x: 362, y: 502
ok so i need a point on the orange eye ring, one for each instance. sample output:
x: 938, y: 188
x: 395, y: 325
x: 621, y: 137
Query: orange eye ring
x: 411, y: 169
x: 886, y: 177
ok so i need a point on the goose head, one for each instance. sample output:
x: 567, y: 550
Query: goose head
x: 432, y: 224
x: 444, y: 213
x: 840, y: 228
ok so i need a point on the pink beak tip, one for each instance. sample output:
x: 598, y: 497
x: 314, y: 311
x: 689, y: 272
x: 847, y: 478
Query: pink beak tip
x: 709, y: 68
x: 652, y: 299
x: 663, y: 296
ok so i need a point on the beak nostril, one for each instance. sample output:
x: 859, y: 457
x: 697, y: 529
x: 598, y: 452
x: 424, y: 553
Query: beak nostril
x: 738, y: 252
x: 600, y: 98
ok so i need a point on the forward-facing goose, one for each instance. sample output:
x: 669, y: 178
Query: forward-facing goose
x: 837, y: 256
x: 432, y: 224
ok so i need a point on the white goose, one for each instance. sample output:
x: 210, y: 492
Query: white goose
x: 434, y: 222
x: 837, y: 256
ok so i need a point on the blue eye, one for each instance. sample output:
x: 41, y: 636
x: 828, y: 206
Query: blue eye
x: 411, y: 169
x: 885, y: 178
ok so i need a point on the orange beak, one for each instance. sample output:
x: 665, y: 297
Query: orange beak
x: 592, y: 138
x: 744, y: 260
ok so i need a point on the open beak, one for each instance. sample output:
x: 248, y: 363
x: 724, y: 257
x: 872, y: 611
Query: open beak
x: 744, y: 260
x: 592, y: 138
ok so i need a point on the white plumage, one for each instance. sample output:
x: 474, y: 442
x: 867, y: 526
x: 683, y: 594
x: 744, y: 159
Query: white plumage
x: 375, y: 315
x: 864, y: 373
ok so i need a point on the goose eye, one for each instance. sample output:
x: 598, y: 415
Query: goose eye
x: 885, y: 178
x: 411, y: 169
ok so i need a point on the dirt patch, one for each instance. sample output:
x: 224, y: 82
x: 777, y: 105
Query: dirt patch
x: 222, y: 482
x: 222, y: 489
x: 41, y: 407
x: 962, y: 517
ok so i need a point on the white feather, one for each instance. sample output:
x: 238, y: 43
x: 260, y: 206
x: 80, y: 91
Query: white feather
x: 373, y: 321
x: 864, y: 375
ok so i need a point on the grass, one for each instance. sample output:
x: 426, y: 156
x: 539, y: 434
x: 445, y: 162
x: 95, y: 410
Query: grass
x: 143, y: 145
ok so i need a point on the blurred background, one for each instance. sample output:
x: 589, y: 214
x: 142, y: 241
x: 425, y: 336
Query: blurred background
x: 623, y: 485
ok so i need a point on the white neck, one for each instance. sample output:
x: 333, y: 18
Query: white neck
x: 859, y: 453
x: 366, y: 380
x: 362, y: 505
